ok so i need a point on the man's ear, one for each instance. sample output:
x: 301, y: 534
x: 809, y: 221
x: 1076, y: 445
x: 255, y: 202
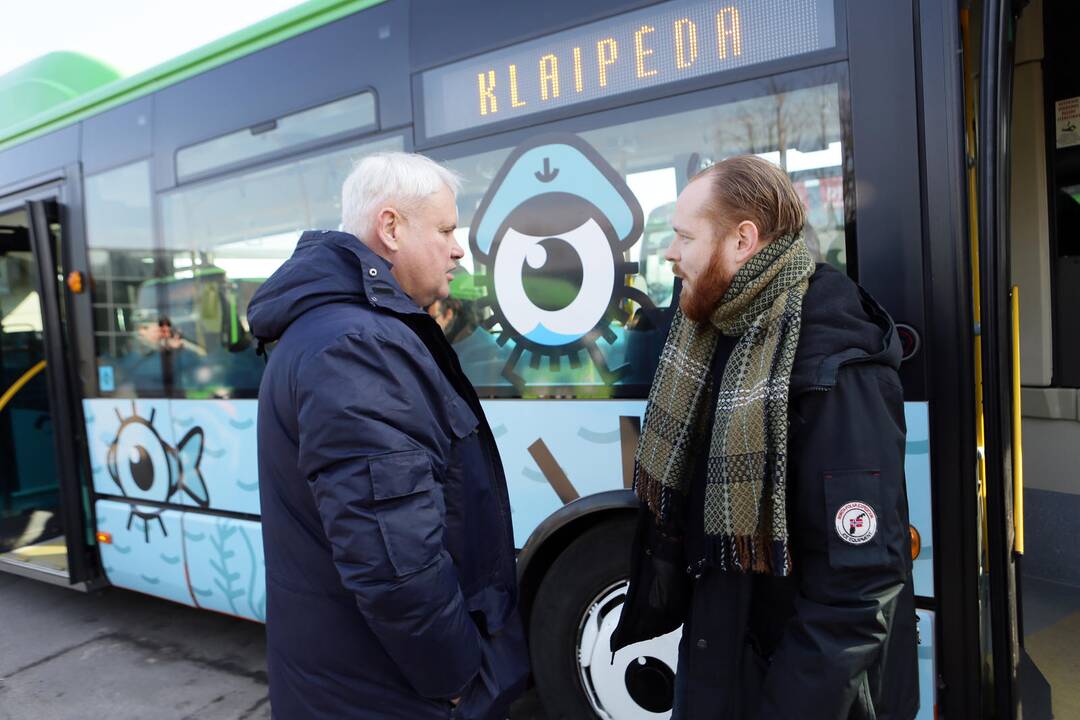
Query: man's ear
x: 748, y: 240
x: 387, y: 226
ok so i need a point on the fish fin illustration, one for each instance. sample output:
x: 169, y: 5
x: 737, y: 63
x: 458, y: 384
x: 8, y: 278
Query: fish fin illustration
x: 191, y: 479
x: 191, y: 448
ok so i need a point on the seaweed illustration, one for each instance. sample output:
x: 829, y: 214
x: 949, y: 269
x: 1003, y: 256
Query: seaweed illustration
x: 226, y: 578
x: 258, y: 607
x: 230, y: 570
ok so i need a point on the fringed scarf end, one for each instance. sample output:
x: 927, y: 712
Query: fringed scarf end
x: 651, y: 492
x: 747, y: 554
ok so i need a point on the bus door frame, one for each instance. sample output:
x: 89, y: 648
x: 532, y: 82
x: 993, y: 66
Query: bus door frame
x: 44, y: 205
x: 1018, y: 688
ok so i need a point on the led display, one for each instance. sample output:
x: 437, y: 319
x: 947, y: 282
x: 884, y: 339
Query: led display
x: 660, y: 44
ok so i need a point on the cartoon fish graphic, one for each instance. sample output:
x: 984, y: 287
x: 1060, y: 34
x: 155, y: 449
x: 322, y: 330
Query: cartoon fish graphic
x: 146, y: 468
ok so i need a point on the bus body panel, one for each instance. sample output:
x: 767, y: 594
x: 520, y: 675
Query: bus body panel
x: 143, y: 554
x: 582, y: 438
x: 927, y: 666
x: 366, y: 51
x: 225, y: 567
x: 552, y: 453
x: 228, y: 427
x: 118, y: 137
x: 917, y: 474
x: 39, y: 160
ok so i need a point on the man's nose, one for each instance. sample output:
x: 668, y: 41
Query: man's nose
x: 670, y: 255
x: 456, y: 251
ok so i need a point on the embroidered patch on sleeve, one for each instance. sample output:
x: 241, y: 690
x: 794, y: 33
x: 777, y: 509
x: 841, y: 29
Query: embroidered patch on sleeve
x: 856, y: 523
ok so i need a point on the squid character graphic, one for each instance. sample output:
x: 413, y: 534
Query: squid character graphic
x: 553, y: 231
x: 147, y: 468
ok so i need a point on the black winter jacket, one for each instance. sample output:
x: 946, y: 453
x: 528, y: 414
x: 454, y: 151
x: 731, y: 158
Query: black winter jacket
x: 836, y: 640
x: 386, y: 524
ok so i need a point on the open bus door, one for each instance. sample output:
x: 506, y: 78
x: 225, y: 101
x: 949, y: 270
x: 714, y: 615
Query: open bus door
x: 43, y: 508
x: 1016, y: 688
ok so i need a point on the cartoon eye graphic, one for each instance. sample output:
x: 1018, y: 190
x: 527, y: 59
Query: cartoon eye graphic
x: 145, y: 467
x: 142, y: 468
x: 552, y: 274
x: 555, y: 290
x: 552, y: 231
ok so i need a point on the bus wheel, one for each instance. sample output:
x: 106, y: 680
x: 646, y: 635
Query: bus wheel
x: 575, y: 612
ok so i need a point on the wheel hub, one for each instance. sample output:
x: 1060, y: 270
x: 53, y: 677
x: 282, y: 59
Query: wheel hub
x: 639, y: 682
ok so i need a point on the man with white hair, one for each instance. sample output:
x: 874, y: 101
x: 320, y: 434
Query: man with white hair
x: 389, y: 552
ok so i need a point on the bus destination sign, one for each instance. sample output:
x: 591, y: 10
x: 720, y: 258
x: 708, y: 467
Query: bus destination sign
x: 653, y: 46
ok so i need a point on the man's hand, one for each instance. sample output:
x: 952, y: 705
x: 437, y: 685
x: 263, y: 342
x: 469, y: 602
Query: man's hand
x: 455, y: 701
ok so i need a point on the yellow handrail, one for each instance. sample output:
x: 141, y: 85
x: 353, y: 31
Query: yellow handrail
x: 26, y: 377
x: 1017, y: 440
x: 970, y: 89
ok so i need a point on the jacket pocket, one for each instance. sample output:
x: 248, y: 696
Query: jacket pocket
x: 409, y: 509
x: 853, y: 513
x: 462, y: 420
x: 490, y: 608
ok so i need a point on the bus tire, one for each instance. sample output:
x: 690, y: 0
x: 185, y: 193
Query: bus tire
x: 594, y: 566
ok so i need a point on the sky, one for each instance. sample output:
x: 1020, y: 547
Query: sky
x: 129, y: 35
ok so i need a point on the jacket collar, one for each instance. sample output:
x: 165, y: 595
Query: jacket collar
x: 380, y: 288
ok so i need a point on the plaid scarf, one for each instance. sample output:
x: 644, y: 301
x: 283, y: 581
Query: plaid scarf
x: 746, y: 468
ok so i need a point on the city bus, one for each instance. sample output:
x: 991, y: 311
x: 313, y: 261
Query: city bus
x: 138, y: 215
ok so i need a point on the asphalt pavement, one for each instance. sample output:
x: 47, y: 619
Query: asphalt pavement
x: 118, y: 655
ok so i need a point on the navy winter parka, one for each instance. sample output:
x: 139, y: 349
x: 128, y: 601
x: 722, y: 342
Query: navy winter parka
x: 386, y: 523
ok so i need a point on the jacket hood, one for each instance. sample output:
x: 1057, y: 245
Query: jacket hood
x: 841, y: 325
x: 326, y: 267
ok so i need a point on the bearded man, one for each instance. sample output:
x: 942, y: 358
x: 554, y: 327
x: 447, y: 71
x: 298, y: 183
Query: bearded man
x: 774, y: 520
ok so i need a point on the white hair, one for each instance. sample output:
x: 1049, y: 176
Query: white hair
x: 400, y: 180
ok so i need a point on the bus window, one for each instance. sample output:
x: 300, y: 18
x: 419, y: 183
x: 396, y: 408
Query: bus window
x: 798, y: 129
x: 222, y: 239
x: 274, y: 136
x: 120, y: 235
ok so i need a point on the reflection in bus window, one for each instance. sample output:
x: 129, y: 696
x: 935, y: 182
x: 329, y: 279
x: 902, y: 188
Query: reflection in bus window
x: 798, y: 130
x: 222, y: 239
x: 274, y: 136
x: 656, y: 190
x: 120, y: 236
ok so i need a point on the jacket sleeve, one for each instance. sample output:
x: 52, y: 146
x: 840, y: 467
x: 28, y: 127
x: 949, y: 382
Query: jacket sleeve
x: 367, y: 452
x: 847, y: 456
x: 657, y: 599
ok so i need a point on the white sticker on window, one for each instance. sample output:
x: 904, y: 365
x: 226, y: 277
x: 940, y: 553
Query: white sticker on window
x: 1067, y: 122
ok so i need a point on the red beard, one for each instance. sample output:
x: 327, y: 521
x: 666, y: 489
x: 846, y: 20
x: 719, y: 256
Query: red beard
x: 699, y: 303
